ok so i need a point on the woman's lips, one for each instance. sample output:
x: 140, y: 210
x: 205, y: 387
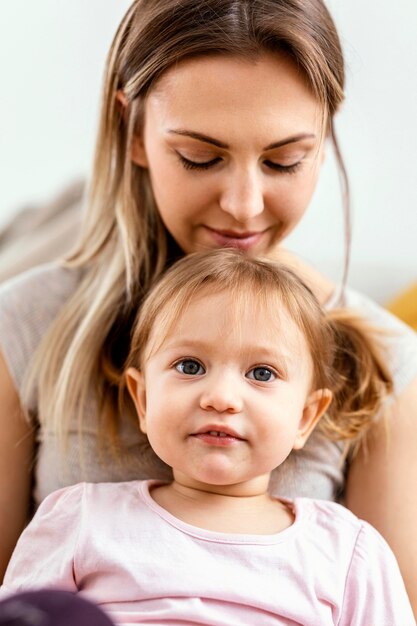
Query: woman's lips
x: 235, y: 239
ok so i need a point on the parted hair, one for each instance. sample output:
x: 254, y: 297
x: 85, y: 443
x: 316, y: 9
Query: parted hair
x: 124, y: 245
x: 348, y: 357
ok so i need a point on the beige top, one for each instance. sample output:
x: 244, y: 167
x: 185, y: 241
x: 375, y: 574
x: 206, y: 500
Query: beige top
x: 28, y: 305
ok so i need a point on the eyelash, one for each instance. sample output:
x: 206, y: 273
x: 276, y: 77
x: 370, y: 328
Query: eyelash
x: 267, y: 368
x: 177, y: 365
x: 284, y: 169
x: 192, y: 165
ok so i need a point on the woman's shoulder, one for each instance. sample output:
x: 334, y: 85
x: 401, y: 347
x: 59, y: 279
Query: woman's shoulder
x: 50, y: 279
x: 29, y: 303
x: 33, y: 299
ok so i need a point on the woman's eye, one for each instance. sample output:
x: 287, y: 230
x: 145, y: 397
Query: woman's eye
x: 190, y: 367
x: 285, y: 169
x: 198, y: 165
x: 261, y: 374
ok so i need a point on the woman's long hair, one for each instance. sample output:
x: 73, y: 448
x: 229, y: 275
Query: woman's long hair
x: 124, y: 246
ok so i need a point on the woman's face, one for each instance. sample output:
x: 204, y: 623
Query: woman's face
x: 233, y: 148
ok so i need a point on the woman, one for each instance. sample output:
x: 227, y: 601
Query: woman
x: 212, y: 134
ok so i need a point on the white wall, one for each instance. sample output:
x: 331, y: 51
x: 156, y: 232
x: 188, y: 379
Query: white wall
x: 51, y: 59
x: 378, y: 134
x: 52, y: 56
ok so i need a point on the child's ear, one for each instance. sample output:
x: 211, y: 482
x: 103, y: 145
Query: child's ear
x: 138, y: 152
x: 316, y: 404
x: 136, y: 385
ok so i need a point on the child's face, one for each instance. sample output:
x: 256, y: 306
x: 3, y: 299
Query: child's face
x: 233, y: 148
x: 224, y: 405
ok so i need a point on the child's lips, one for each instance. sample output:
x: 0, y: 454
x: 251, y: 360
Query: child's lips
x: 218, y: 435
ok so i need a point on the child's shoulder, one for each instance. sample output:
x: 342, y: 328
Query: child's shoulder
x: 337, y: 523
x: 94, y: 496
x: 353, y: 557
x: 99, y: 489
x: 325, y: 513
x: 321, y: 509
x: 113, y: 490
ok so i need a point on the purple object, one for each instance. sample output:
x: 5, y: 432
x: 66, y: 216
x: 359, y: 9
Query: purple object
x: 51, y: 608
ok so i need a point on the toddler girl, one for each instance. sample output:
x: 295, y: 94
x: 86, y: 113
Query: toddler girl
x: 232, y: 364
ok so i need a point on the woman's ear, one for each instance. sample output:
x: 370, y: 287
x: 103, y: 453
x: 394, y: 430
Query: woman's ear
x: 316, y: 404
x: 136, y: 385
x: 121, y: 99
x: 138, y: 153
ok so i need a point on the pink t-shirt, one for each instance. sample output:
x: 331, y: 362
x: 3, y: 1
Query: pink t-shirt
x: 142, y: 565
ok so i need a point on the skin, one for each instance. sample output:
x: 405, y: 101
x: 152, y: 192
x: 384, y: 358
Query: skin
x: 249, y: 194
x: 16, y: 444
x: 254, y: 385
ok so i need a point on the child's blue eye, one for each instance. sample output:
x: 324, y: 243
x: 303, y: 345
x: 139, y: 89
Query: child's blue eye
x: 190, y: 367
x: 261, y: 374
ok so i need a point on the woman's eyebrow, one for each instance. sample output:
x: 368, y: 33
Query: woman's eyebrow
x: 225, y: 146
x: 293, y: 139
x: 199, y: 137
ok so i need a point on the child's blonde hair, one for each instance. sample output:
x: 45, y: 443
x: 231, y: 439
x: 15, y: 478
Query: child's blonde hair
x: 345, y: 358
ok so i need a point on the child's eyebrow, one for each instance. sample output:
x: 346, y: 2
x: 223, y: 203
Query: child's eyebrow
x: 172, y: 344
x: 258, y: 352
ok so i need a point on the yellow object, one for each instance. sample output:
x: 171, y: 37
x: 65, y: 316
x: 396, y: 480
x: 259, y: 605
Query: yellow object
x: 404, y: 306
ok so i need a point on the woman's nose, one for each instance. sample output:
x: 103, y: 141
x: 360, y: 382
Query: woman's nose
x: 243, y: 195
x: 222, y: 395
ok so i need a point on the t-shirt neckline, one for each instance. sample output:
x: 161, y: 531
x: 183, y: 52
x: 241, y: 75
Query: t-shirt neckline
x: 220, y: 537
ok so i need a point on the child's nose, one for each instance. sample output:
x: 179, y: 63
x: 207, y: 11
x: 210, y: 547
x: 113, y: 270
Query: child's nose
x: 222, y: 395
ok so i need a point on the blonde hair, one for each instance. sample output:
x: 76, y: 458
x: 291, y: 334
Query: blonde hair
x: 346, y: 359
x: 124, y: 246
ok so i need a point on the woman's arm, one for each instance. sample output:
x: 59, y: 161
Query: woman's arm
x: 381, y: 484
x: 16, y: 457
